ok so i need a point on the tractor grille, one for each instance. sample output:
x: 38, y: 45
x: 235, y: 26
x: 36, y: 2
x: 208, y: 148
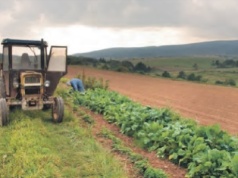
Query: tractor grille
x: 32, y: 79
x: 31, y: 84
x: 32, y: 90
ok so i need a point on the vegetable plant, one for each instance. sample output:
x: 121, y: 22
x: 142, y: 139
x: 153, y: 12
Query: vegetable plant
x: 206, y: 151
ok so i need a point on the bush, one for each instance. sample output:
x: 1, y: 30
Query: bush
x: 198, y: 78
x: 166, y: 74
x: 193, y: 77
x: 218, y: 82
x: 181, y: 75
x: 141, y: 67
x: 230, y: 82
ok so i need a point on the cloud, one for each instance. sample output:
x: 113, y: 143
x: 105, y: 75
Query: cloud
x: 212, y: 19
x: 200, y: 19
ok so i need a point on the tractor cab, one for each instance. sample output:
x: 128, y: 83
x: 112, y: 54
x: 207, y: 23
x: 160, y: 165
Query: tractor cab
x: 29, y: 76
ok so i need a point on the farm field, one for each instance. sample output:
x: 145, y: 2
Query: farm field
x: 207, y: 104
x: 204, y: 67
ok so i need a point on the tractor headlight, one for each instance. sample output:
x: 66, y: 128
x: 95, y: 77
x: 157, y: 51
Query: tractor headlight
x: 47, y: 83
x: 16, y: 84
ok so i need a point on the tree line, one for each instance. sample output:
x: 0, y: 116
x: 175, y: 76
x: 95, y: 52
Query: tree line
x: 225, y: 64
x: 198, y: 78
x: 120, y: 66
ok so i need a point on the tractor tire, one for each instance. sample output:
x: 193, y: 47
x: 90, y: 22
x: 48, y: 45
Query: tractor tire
x: 58, y: 110
x: 4, y: 112
x: 2, y: 89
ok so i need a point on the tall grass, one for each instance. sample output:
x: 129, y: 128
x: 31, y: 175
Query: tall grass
x: 33, y: 146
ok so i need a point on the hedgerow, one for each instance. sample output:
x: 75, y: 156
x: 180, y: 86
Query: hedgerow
x: 206, y: 151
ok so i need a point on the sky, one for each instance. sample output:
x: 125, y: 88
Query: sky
x: 88, y: 25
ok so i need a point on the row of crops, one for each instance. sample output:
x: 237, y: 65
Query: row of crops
x: 204, y: 151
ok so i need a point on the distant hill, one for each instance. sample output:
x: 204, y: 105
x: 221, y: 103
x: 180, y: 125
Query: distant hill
x: 228, y: 48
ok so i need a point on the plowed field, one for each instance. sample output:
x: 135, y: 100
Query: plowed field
x: 207, y: 104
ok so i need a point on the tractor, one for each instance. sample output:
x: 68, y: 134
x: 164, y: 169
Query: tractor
x: 29, y: 77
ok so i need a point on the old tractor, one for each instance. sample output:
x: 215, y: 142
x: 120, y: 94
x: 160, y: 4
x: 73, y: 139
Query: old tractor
x: 29, y: 77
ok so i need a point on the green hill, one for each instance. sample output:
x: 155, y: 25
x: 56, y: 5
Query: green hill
x: 224, y: 48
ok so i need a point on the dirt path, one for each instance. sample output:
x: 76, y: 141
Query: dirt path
x: 207, y: 104
x: 168, y: 167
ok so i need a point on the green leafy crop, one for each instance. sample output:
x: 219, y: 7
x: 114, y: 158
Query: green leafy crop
x: 205, y: 151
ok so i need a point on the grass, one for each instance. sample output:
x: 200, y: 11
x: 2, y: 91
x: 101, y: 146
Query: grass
x: 177, y: 63
x: 33, y: 146
x: 138, y: 160
x: 174, y: 65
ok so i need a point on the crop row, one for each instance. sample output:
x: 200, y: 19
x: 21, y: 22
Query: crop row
x: 138, y: 160
x: 206, y: 151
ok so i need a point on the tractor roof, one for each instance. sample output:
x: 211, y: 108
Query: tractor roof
x: 24, y: 42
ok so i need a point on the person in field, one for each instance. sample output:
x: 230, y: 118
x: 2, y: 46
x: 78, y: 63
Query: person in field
x: 77, y: 85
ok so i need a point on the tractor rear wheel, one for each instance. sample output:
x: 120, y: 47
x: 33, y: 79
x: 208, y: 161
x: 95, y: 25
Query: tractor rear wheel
x: 58, y: 110
x: 4, y: 112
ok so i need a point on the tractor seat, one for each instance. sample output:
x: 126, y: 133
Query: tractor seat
x: 25, y: 60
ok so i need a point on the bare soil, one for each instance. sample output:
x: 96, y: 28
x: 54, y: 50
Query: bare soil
x: 207, y: 104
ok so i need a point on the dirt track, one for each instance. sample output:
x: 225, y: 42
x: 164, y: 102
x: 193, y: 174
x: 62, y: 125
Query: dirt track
x: 207, y: 104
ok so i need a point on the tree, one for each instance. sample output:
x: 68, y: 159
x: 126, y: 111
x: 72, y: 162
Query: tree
x: 113, y: 64
x: 231, y: 82
x: 191, y: 77
x: 141, y: 67
x: 102, y: 60
x: 195, y: 66
x: 230, y: 62
x: 181, y: 75
x: 128, y: 65
x: 166, y: 74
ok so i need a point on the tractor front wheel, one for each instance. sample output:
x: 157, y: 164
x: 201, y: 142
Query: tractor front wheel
x: 58, y: 110
x: 4, y: 112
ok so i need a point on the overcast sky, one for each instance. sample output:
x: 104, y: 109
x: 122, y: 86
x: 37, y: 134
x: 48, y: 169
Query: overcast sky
x: 87, y: 25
